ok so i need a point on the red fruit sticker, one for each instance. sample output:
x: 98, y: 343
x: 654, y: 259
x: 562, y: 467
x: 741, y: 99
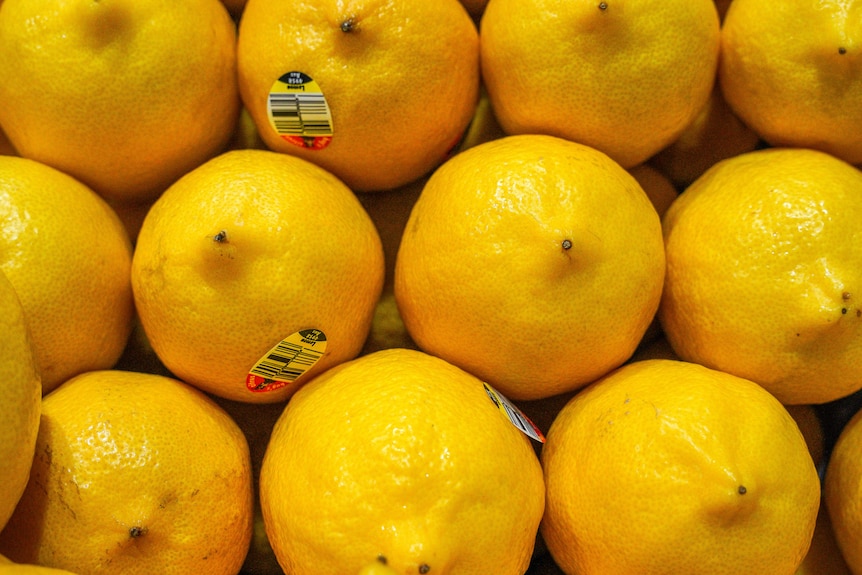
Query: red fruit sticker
x: 298, y: 111
x: 287, y: 361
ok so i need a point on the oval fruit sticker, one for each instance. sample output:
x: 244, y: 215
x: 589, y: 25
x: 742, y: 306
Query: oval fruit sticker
x: 287, y: 360
x: 298, y: 111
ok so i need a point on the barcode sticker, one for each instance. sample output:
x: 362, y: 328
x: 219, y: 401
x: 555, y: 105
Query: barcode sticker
x: 287, y: 360
x: 514, y: 415
x: 298, y: 111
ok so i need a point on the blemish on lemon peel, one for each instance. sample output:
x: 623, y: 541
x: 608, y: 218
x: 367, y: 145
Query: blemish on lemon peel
x: 846, y: 297
x: 137, y: 531
x: 382, y: 559
x: 842, y: 50
x: 221, y: 237
x: 424, y: 568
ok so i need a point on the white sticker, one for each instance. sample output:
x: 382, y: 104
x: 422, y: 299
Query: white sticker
x: 514, y: 415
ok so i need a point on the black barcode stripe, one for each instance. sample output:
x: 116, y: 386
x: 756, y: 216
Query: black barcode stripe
x: 285, y: 361
x: 266, y: 369
x: 284, y: 352
x: 300, y: 114
x: 269, y: 370
x: 518, y: 420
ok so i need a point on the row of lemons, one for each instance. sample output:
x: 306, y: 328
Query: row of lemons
x: 408, y: 287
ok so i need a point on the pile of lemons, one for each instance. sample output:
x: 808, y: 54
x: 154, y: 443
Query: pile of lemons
x: 406, y: 287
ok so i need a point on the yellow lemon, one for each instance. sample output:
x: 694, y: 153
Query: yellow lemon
x: 413, y: 464
x: 760, y: 256
x: 658, y: 187
x: 843, y: 491
x: 621, y: 76
x: 19, y: 569
x: 824, y: 557
x: 134, y: 474
x: 124, y: 95
x: 254, y: 270
x: 7, y: 567
x: 531, y: 261
x: 377, y: 92
x: 790, y: 71
x: 715, y: 134
x: 664, y: 466
x: 68, y: 256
